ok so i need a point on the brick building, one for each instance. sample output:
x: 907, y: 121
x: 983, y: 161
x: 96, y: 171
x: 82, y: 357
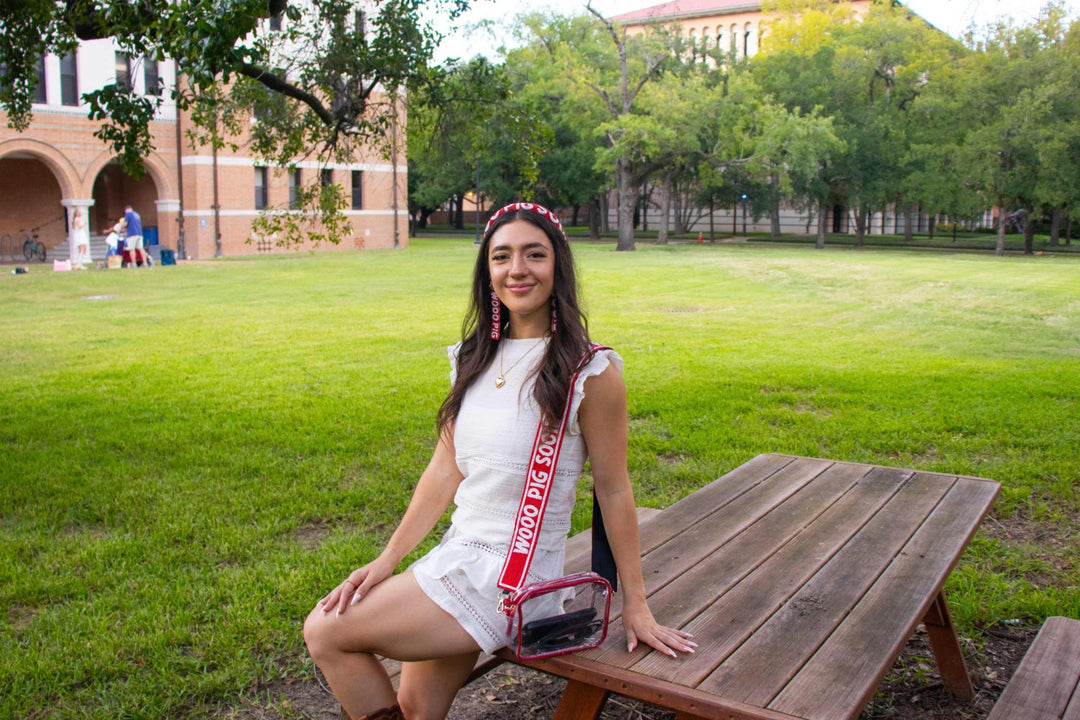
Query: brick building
x: 57, y: 167
x: 735, y: 26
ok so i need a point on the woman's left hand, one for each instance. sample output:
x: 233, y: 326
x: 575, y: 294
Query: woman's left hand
x: 642, y: 626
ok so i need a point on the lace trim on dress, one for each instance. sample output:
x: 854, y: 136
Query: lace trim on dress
x: 478, y: 618
x: 514, y: 466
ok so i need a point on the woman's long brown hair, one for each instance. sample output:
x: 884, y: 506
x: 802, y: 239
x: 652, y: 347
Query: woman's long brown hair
x: 564, y: 352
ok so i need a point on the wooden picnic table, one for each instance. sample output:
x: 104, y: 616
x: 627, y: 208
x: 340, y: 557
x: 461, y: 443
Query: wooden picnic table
x: 801, y: 580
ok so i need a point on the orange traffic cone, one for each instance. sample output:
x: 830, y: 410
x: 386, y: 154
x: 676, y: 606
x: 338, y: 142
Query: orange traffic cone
x: 699, y: 238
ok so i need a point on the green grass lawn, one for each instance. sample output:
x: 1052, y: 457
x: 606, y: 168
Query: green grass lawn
x: 193, y: 454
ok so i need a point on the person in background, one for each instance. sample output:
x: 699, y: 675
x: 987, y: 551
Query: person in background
x: 133, y: 242
x: 82, y: 237
x: 115, y: 239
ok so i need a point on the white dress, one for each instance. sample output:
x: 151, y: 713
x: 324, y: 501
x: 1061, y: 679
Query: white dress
x: 493, y: 438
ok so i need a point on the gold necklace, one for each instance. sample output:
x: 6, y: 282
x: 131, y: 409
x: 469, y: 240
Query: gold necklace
x: 501, y: 380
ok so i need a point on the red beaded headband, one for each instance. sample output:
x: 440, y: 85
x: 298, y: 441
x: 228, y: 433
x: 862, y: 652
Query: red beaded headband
x: 532, y: 207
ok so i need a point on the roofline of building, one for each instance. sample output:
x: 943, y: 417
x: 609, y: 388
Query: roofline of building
x: 634, y: 18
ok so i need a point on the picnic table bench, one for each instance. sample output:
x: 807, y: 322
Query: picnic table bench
x: 1046, y: 686
x: 801, y: 580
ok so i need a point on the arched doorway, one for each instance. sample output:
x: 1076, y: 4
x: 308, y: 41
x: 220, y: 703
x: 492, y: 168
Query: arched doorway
x: 30, y: 197
x: 113, y: 189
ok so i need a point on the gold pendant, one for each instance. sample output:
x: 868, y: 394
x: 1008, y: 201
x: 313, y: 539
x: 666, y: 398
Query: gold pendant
x: 500, y: 381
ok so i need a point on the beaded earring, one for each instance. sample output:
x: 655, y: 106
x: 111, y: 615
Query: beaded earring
x: 496, y: 317
x: 554, y: 317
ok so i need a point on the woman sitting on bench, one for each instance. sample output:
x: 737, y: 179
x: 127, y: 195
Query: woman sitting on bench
x: 523, y: 336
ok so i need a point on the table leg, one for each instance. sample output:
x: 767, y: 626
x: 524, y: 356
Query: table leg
x: 580, y: 701
x: 946, y: 647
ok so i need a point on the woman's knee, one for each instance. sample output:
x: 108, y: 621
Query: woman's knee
x: 319, y: 634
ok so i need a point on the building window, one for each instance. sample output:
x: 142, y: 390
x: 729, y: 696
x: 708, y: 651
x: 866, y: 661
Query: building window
x: 357, y: 190
x: 151, y: 77
x: 260, y: 188
x: 123, y: 70
x: 39, y: 74
x: 69, y: 80
x: 275, y: 22
x: 326, y: 177
x: 294, y: 187
x: 360, y: 23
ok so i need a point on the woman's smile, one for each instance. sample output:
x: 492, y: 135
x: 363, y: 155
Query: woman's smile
x: 521, y: 262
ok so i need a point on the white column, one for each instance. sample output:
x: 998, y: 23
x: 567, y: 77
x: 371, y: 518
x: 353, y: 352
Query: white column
x: 78, y: 217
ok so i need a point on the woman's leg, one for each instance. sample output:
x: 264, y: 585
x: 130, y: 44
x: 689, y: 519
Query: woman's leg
x: 396, y: 619
x: 428, y: 687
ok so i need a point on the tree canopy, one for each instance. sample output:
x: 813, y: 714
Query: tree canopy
x: 325, y: 81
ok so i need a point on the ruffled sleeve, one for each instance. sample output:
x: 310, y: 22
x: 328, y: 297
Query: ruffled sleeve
x: 597, y: 365
x: 452, y: 352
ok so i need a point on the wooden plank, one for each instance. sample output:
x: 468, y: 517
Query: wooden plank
x: 718, y: 494
x: 1046, y: 681
x: 840, y: 678
x: 738, y: 515
x: 737, y: 613
x: 764, y: 664
x: 946, y: 648
x: 656, y: 692
x: 708, y: 565
x: 580, y: 702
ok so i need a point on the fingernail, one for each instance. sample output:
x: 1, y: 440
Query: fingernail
x: 355, y: 598
x: 629, y: 647
x: 689, y: 650
x: 672, y: 653
x: 692, y: 644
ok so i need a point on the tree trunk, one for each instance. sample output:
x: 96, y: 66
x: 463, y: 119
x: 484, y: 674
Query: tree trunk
x: 774, y: 211
x: 712, y: 223
x: 605, y: 221
x: 820, y: 225
x: 680, y: 223
x: 665, y: 208
x: 1055, y: 227
x: 459, y: 213
x: 574, y: 215
x: 643, y: 203
x: 594, y: 217
x: 1068, y: 230
x: 1029, y: 232
x: 909, y: 229
x: 930, y: 230
x: 1000, y: 249
x: 627, y: 191
x: 860, y: 226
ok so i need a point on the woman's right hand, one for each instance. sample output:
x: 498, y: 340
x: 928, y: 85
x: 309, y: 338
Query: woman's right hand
x: 360, y: 581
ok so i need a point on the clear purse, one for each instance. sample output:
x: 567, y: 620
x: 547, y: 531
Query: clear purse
x: 559, y: 616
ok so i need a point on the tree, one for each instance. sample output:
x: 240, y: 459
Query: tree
x: 331, y: 76
x: 863, y: 75
x: 472, y: 124
x: 629, y: 133
x: 1016, y: 96
x: 568, y: 176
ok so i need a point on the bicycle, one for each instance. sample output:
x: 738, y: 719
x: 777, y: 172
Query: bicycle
x: 32, y: 247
